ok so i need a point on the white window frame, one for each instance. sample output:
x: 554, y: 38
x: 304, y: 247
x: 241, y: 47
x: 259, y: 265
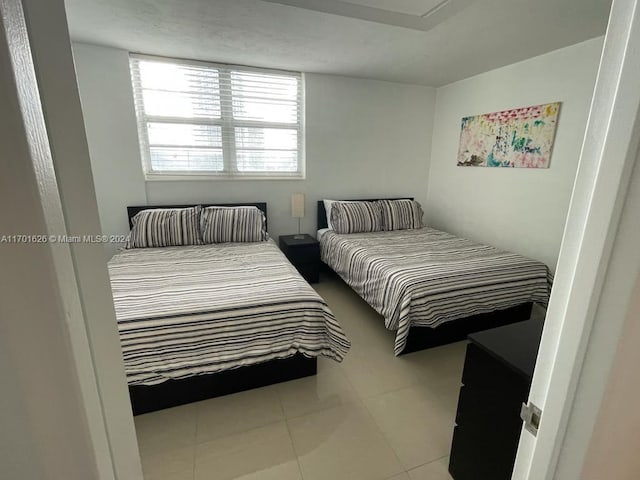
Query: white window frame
x: 230, y: 171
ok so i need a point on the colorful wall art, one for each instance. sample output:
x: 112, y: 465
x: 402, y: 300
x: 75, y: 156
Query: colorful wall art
x: 522, y: 137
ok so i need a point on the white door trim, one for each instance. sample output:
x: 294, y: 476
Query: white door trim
x: 53, y: 61
x: 608, y: 154
x: 43, y: 175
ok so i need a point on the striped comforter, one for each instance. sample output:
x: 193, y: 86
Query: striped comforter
x: 425, y: 277
x: 185, y: 311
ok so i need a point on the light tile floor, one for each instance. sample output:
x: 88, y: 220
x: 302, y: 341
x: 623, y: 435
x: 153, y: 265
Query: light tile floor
x: 373, y: 417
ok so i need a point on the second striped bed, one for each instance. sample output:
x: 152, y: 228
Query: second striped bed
x: 425, y: 277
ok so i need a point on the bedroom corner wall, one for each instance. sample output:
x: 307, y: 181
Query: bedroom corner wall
x: 522, y: 210
x: 104, y: 82
x: 363, y: 138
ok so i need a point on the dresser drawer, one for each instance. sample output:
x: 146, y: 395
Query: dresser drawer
x: 481, y: 370
x: 480, y: 456
x: 489, y: 409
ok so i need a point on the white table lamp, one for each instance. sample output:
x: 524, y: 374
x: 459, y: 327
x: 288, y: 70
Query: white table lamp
x: 297, y: 210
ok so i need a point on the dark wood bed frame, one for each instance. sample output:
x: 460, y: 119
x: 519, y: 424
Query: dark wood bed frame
x: 132, y: 211
x: 421, y: 338
x: 149, y: 398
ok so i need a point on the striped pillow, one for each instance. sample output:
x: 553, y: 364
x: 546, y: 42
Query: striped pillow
x: 165, y: 227
x: 401, y: 214
x: 355, y: 217
x: 233, y: 224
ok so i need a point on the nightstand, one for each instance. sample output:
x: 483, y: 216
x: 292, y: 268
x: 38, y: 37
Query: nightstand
x: 304, y: 254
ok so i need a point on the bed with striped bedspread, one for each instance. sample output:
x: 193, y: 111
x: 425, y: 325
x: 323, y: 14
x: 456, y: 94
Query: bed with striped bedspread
x: 184, y: 311
x: 425, y: 277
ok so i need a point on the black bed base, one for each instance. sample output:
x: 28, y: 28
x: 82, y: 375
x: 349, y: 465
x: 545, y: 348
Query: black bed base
x: 149, y: 398
x: 421, y: 338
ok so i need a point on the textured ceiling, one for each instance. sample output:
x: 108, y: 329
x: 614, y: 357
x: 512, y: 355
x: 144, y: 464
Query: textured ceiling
x: 464, y: 38
x: 411, y: 7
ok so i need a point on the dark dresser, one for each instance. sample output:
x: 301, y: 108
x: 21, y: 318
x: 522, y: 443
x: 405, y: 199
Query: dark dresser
x: 304, y: 254
x: 496, y: 379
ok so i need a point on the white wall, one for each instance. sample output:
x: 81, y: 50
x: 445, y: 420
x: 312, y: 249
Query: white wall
x: 369, y: 138
x: 110, y: 123
x: 45, y: 423
x: 522, y: 210
x: 51, y: 48
x: 619, y: 459
x: 364, y: 138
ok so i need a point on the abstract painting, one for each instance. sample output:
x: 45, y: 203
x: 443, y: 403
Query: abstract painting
x: 521, y: 137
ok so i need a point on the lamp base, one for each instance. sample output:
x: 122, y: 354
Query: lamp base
x: 298, y: 236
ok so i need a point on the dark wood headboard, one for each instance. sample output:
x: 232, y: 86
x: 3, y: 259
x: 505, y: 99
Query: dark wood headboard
x: 322, y: 213
x: 131, y: 211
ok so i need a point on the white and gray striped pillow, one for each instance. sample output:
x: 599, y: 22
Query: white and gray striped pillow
x: 355, y: 217
x: 401, y: 214
x: 233, y: 224
x: 165, y: 227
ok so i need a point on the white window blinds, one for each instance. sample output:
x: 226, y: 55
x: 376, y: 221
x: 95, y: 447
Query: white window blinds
x: 199, y: 119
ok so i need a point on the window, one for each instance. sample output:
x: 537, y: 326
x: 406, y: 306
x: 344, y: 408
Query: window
x: 198, y: 119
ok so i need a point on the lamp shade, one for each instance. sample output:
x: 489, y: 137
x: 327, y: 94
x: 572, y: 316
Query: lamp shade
x: 297, y: 205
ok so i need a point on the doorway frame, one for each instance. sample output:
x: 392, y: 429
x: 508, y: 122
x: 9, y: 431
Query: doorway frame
x: 592, y: 224
x: 609, y: 152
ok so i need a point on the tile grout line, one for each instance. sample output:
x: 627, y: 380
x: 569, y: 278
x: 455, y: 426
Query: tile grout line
x: 195, y: 440
x: 293, y: 446
x: 364, y: 398
x: 358, y: 401
x: 369, y: 397
x: 286, y: 424
x: 193, y: 466
x: 384, y: 437
x: 376, y: 426
x: 271, y: 422
x: 427, y: 463
x: 389, y: 443
x: 322, y: 410
x: 344, y: 373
